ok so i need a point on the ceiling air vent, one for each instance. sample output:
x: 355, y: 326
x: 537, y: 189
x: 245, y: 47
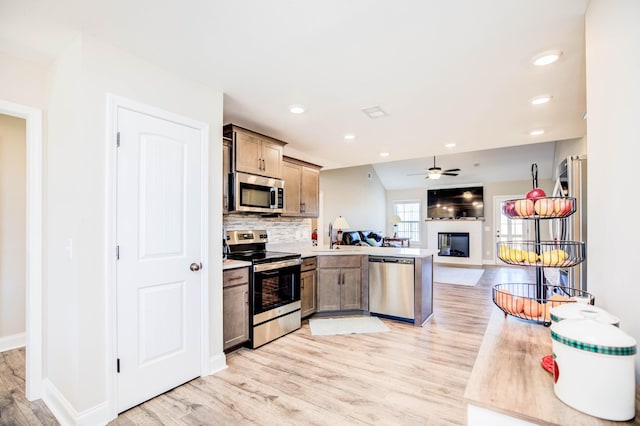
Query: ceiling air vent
x: 374, y: 111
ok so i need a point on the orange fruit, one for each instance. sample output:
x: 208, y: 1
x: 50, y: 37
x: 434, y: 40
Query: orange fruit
x: 504, y: 299
x: 532, y: 309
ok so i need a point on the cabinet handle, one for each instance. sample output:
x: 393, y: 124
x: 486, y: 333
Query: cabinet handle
x: 246, y: 297
x: 259, y: 164
x: 264, y: 166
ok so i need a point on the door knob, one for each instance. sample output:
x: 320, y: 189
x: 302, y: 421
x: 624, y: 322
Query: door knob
x: 195, y: 266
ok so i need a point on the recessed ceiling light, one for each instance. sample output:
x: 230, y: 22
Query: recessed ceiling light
x: 547, y: 58
x: 296, y: 109
x: 542, y: 99
x: 349, y: 136
x: 450, y: 145
x: 537, y: 132
x: 374, y: 111
x: 384, y: 154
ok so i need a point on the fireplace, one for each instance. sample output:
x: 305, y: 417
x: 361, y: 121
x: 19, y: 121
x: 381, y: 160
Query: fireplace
x: 454, y: 244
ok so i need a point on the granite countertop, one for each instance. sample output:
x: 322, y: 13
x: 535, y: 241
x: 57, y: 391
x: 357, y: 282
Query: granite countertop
x: 232, y: 264
x: 508, y: 378
x: 362, y: 250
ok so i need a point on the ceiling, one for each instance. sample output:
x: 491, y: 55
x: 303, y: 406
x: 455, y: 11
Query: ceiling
x: 446, y: 72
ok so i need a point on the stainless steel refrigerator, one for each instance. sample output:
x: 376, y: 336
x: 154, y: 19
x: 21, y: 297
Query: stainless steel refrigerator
x: 571, y: 181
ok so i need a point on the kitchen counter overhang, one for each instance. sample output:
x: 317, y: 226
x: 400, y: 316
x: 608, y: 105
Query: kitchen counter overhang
x: 508, y: 381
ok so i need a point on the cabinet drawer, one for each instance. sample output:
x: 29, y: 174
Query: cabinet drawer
x: 348, y: 261
x: 237, y: 276
x: 309, y: 264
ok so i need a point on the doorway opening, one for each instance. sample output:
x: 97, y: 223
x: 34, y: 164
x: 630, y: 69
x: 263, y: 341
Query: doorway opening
x: 34, y: 247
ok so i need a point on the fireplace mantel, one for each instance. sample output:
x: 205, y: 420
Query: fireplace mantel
x: 473, y: 227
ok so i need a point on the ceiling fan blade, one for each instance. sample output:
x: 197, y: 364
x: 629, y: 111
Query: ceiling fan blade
x: 452, y: 170
x: 450, y: 174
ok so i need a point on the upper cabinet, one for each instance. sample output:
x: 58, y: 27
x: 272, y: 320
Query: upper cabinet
x: 302, y: 188
x: 226, y: 168
x: 255, y: 153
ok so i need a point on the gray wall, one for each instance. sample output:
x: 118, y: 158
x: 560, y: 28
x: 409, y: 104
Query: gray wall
x: 356, y: 194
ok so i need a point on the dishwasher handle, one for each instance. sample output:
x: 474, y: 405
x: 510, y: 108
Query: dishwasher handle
x: 397, y: 260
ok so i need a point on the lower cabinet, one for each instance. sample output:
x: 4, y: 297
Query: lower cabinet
x: 308, y: 286
x: 339, y: 283
x: 235, y: 306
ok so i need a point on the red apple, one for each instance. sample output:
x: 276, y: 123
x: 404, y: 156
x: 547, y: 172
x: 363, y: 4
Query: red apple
x: 536, y: 193
x: 509, y: 208
x: 524, y: 208
x: 544, y: 207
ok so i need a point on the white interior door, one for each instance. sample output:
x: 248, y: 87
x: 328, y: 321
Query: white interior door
x: 159, y: 222
x: 508, y: 229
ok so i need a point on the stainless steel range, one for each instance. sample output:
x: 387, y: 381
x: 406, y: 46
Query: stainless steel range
x: 274, y: 286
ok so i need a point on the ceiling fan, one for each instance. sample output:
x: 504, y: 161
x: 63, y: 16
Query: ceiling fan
x: 437, y: 172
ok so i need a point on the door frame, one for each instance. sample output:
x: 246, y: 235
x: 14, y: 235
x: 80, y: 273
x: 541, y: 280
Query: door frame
x: 34, y: 253
x: 113, y: 103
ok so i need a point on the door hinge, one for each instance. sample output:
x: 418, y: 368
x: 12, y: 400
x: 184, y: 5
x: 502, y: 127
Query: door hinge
x: 117, y: 252
x: 117, y: 365
x: 118, y: 139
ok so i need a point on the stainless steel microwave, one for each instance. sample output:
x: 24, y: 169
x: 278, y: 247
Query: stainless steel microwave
x: 255, y: 194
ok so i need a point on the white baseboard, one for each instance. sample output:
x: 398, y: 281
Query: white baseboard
x: 217, y: 363
x: 13, y: 342
x: 64, y: 412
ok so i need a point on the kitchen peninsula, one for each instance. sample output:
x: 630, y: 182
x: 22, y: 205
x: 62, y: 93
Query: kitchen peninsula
x: 508, y: 385
x: 356, y: 258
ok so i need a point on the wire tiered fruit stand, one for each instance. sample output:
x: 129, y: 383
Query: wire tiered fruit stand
x: 533, y: 301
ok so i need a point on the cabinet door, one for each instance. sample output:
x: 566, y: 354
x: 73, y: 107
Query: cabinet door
x: 248, y: 150
x: 309, y: 191
x: 271, y: 159
x: 351, y: 289
x: 329, y: 289
x: 308, y: 293
x: 291, y: 176
x: 226, y: 168
x: 235, y: 311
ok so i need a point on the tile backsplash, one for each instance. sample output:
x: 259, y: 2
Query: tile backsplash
x: 280, y: 230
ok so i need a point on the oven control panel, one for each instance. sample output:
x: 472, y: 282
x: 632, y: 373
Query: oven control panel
x: 246, y: 237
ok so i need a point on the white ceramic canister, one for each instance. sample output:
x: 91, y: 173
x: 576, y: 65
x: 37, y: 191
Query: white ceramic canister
x: 594, y: 370
x: 576, y: 311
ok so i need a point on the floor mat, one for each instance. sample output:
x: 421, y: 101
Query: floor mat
x: 349, y: 325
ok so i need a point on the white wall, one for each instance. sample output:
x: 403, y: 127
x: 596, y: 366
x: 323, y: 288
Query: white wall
x: 12, y: 231
x: 22, y: 82
x: 613, y: 105
x: 76, y: 206
x: 356, y: 194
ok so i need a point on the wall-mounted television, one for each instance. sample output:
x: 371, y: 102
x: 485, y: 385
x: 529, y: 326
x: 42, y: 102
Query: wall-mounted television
x: 455, y: 203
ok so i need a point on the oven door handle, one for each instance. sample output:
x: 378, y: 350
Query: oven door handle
x: 262, y: 267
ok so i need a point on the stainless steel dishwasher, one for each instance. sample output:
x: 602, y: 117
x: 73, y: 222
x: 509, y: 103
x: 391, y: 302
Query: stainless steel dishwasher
x: 391, y: 287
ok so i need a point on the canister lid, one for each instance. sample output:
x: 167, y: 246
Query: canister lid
x: 590, y: 335
x: 575, y: 311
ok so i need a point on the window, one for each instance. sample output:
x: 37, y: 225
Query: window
x: 409, y: 212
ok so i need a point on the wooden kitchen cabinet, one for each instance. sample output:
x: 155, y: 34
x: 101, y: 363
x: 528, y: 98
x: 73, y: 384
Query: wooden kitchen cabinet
x: 255, y: 153
x: 235, y: 306
x: 339, y: 283
x: 308, y: 286
x: 226, y: 168
x: 302, y: 187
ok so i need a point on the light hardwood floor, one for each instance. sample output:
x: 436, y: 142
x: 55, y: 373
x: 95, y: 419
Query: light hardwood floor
x: 408, y: 376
